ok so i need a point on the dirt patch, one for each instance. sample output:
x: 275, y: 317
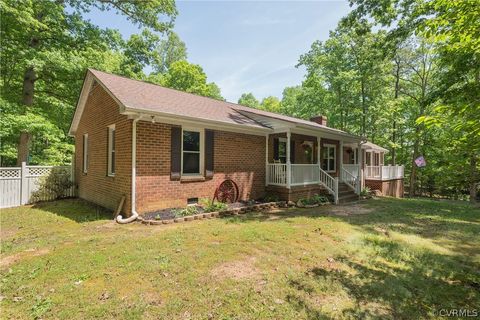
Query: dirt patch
x: 237, y: 270
x: 14, y: 258
x: 348, y: 210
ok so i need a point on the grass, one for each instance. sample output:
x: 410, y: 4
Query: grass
x: 387, y: 258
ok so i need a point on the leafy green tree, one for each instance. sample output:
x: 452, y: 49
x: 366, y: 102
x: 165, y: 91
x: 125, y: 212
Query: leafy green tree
x: 169, y: 51
x: 46, y: 48
x: 271, y: 104
x: 249, y: 100
x: 191, y: 78
x: 453, y: 30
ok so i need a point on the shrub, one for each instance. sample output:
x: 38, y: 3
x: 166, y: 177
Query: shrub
x: 271, y: 198
x: 188, y: 211
x: 315, y: 199
x: 212, y: 206
x: 366, y: 191
x: 54, y: 185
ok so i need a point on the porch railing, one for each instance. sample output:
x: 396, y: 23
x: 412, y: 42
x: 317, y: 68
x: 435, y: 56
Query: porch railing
x: 301, y: 174
x: 304, y: 174
x: 277, y: 174
x: 352, y: 169
x: 384, y: 172
x: 350, y: 180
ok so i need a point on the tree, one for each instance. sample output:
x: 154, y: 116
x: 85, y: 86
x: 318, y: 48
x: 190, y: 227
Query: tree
x: 191, y: 78
x: 453, y: 30
x: 45, y: 48
x: 169, y: 51
x: 271, y: 104
x: 249, y: 100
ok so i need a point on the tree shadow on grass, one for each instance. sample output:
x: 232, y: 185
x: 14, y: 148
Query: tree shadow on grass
x: 401, y: 282
x: 453, y: 225
x: 76, y: 209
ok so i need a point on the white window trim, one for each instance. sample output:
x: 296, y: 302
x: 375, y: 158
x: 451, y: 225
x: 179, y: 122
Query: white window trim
x: 111, y: 128
x: 85, y: 152
x: 328, y: 156
x: 202, y: 153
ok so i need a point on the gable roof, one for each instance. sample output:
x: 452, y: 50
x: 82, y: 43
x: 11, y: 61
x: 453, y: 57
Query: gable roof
x: 139, y: 96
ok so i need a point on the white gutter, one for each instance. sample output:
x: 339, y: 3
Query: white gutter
x: 134, y: 214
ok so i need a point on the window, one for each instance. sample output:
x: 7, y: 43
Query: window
x: 353, y: 156
x: 328, y: 157
x: 368, y: 158
x: 192, y: 145
x: 85, y: 153
x: 111, y: 151
x: 376, y: 159
x: 282, y: 150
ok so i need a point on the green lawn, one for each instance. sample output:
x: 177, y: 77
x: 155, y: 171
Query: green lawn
x: 385, y: 258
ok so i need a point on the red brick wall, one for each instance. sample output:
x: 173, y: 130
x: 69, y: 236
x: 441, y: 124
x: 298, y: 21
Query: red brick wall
x: 297, y: 192
x: 240, y: 157
x: 95, y: 186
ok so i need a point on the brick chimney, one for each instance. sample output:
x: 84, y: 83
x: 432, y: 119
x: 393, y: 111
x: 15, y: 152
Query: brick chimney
x: 320, y: 120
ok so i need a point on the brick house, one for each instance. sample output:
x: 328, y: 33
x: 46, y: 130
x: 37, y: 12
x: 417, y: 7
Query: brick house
x: 161, y: 148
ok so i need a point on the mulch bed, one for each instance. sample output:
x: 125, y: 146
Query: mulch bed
x: 167, y: 216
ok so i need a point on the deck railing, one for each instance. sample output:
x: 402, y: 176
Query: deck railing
x: 384, y: 172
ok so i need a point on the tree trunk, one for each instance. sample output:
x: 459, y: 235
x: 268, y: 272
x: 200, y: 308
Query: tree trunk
x: 413, y: 173
x: 364, y: 110
x: 27, y: 100
x: 474, y: 179
x: 394, y: 125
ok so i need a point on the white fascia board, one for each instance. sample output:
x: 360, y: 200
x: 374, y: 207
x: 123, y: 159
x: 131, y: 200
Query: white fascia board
x: 146, y: 115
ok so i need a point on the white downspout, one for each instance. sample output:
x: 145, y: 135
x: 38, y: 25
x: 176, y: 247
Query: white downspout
x: 134, y: 214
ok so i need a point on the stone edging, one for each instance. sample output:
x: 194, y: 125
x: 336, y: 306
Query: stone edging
x: 224, y: 213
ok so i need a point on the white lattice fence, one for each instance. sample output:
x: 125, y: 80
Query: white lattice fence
x: 18, y: 185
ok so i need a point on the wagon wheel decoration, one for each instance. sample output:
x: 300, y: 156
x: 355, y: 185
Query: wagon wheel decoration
x: 227, y: 191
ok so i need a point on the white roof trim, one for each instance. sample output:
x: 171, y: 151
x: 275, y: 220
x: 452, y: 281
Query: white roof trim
x: 82, y: 100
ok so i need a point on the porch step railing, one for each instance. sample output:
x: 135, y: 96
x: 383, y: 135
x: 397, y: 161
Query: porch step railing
x: 350, y: 180
x: 329, y: 182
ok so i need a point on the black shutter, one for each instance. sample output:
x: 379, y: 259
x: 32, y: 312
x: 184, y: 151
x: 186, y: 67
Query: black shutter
x: 175, y: 153
x: 275, y: 148
x: 292, y: 151
x: 209, y: 153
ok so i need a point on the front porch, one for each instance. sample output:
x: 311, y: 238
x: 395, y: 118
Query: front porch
x: 299, y: 166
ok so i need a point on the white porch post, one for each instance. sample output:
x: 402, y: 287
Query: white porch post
x: 360, y: 165
x: 266, y: 161
x: 318, y: 151
x: 341, y: 161
x: 289, y: 169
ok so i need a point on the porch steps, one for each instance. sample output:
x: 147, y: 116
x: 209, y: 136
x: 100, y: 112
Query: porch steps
x: 346, y: 194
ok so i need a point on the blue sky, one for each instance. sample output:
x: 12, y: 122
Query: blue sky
x: 247, y: 46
